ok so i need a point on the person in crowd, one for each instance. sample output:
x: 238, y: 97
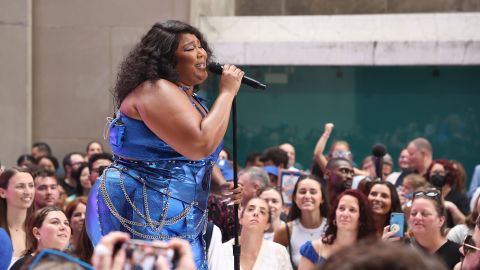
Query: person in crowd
x: 40, y: 149
x: 396, y: 178
x: 290, y: 150
x: 410, y: 184
x: 62, y: 197
x: 274, y: 159
x: 70, y: 163
x: 7, y: 249
x: 47, y: 228
x: 253, y: 180
x: 256, y: 252
x: 82, y: 176
x: 442, y: 175
x: 46, y: 188
x: 383, y: 199
x: 17, y: 191
x: 97, y: 163
x: 165, y: 141
x: 307, y: 217
x: 339, y: 176
x: 104, y: 257
x: 75, y: 212
x: 25, y: 161
x: 350, y: 220
x: 427, y: 223
x: 470, y: 250
x: 461, y: 181
x: 253, y: 159
x: 387, y: 166
x: 48, y: 162
x: 93, y: 147
x: 475, y: 182
x: 457, y: 234
x: 381, y: 255
x: 420, y: 155
x: 276, y: 205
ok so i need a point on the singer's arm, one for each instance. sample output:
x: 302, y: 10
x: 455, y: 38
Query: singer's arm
x: 168, y: 112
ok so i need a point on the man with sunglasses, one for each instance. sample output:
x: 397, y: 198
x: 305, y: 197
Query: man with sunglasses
x: 470, y: 250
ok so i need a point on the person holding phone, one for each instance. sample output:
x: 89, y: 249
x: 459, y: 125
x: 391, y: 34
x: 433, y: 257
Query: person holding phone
x: 427, y: 222
x: 165, y: 142
x: 384, y: 200
x: 350, y: 220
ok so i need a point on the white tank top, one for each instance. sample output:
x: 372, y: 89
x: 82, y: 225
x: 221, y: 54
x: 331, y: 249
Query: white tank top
x: 299, y: 235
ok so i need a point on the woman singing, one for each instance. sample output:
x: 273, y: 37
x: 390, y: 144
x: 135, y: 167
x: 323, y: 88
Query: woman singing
x: 165, y: 142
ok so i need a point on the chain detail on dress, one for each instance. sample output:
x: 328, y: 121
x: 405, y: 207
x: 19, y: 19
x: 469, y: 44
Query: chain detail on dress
x: 157, y: 226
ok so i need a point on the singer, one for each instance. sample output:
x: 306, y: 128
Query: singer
x: 165, y: 142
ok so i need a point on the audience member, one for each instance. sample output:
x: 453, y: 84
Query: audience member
x: 461, y: 180
x: 47, y: 228
x: 290, y: 150
x: 6, y: 251
x: 411, y: 183
x: 48, y: 162
x: 71, y: 162
x: 256, y: 253
x: 380, y: 255
x: 442, y: 176
x: 93, y: 147
x: 276, y: 205
x: 46, y: 189
x: 40, y: 149
x: 25, y: 161
x: 16, y: 204
x: 420, y: 155
x: 254, y: 180
x: 81, y: 176
x: 383, y: 199
x: 404, y: 165
x: 75, y: 212
x: 475, y: 182
x: 274, y: 159
x: 253, y: 159
x: 350, y: 220
x: 97, y: 163
x: 339, y: 176
x: 457, y: 234
x: 427, y: 222
x: 307, y: 218
x: 470, y: 250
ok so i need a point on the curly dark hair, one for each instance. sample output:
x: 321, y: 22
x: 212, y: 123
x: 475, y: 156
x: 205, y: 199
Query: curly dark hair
x: 154, y: 57
x: 366, y: 225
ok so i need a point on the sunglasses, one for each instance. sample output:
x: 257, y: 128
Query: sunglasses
x: 468, y: 245
x: 434, y: 194
x: 55, y: 255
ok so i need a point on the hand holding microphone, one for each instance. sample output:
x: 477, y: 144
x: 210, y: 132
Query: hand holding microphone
x: 218, y: 69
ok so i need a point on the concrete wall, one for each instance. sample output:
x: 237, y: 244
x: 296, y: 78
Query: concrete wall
x: 15, y: 78
x: 77, y: 47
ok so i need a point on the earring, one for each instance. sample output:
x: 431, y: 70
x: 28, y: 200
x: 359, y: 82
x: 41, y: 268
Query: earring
x: 335, y: 222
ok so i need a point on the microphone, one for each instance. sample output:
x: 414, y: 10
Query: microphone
x: 216, y: 68
x: 378, y: 151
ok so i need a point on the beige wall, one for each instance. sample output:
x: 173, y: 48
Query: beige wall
x: 77, y: 47
x: 15, y: 79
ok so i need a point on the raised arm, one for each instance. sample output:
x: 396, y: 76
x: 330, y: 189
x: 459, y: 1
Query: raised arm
x: 320, y: 147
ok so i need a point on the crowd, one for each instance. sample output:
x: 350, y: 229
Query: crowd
x: 335, y: 207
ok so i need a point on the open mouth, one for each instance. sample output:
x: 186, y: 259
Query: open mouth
x: 201, y: 65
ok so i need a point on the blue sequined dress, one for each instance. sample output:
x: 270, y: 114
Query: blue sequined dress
x: 150, y: 191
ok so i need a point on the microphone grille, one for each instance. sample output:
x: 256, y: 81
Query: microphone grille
x: 379, y: 150
x: 215, y: 67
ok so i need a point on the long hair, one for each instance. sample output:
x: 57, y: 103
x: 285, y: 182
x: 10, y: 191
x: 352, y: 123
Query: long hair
x: 76, y: 174
x: 154, y: 57
x: 36, y: 221
x: 366, y: 225
x: 71, y: 206
x: 295, y: 211
x: 395, y: 205
x: 4, y: 181
x: 450, y: 177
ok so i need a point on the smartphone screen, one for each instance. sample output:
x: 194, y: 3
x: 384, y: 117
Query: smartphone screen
x: 397, y: 219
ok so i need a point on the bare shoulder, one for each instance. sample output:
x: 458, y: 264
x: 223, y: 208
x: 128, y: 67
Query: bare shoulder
x: 280, y: 235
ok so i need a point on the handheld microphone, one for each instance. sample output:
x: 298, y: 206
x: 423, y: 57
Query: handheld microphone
x: 379, y: 150
x: 217, y: 68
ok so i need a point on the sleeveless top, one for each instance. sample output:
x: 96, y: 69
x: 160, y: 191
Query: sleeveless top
x: 300, y: 235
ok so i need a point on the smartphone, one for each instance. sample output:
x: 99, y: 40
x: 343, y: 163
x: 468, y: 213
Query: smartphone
x: 143, y: 253
x: 397, y: 219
